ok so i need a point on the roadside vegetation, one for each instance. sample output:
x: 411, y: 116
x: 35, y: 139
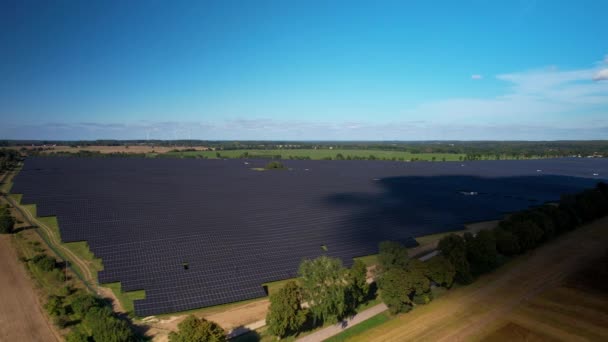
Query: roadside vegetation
x: 326, y: 293
x: 77, y: 313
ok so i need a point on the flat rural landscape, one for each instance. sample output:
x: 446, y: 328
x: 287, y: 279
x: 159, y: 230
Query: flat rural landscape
x: 303, y: 171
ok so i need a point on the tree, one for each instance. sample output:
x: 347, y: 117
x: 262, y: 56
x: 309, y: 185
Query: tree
x: 395, y: 290
x: 440, y: 271
x: 194, y: 329
x: 54, y: 306
x: 359, y: 288
x: 506, y: 242
x: 481, y: 252
x: 392, y: 255
x: 285, y: 314
x: 420, y: 284
x: 527, y: 232
x: 76, y: 336
x: 453, y: 248
x: 82, y: 303
x: 102, y: 325
x: 44, y: 262
x: 324, y: 286
x: 7, y: 222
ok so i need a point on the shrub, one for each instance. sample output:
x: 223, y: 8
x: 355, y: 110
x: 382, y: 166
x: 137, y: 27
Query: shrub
x: 44, y: 262
x: 194, y: 329
x: 102, y: 325
x: 7, y: 222
x: 274, y: 165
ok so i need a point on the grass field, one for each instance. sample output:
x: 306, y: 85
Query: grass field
x: 126, y: 298
x: 319, y: 154
x: 361, y: 327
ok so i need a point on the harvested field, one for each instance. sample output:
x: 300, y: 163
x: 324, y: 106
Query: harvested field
x: 532, y: 295
x: 21, y: 316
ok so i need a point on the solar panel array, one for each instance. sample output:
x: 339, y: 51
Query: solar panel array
x: 237, y: 228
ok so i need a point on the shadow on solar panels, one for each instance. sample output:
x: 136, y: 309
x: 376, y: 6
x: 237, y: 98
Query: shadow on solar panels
x: 406, y: 207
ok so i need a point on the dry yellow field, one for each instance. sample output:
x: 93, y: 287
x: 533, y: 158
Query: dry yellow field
x: 529, y: 299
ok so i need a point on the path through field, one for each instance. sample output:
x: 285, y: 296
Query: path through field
x: 21, y: 318
x: 474, y: 311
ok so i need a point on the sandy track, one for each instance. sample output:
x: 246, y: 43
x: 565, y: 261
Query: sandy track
x: 21, y: 318
x: 471, y: 312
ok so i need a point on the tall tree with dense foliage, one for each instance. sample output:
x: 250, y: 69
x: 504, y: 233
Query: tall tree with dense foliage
x: 506, y: 242
x: 324, y: 284
x: 194, y: 329
x: 396, y: 288
x: 481, y: 252
x: 440, y: 271
x: 392, y: 255
x: 420, y: 284
x: 359, y: 288
x: 453, y: 248
x: 285, y: 314
x: 102, y: 325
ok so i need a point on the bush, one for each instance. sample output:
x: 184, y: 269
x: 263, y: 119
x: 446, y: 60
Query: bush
x: 7, y: 222
x: 55, y: 306
x: 102, y: 325
x: 82, y: 303
x: 194, y: 329
x: 274, y: 165
x: 44, y: 262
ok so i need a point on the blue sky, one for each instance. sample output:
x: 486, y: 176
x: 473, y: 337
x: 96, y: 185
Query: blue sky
x: 304, y: 70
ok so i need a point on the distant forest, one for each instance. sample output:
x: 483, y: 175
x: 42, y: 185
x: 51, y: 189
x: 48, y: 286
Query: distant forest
x: 473, y: 149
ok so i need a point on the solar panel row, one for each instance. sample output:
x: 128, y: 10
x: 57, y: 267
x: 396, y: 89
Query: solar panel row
x: 237, y: 228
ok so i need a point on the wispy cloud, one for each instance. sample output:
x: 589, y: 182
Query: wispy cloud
x: 476, y: 77
x: 601, y: 75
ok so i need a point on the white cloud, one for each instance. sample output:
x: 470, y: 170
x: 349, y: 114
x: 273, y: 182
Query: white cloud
x: 536, y: 96
x: 476, y: 77
x: 601, y: 75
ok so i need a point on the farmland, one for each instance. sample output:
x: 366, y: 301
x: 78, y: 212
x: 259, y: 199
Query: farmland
x: 552, y: 293
x: 318, y: 154
x: 231, y: 225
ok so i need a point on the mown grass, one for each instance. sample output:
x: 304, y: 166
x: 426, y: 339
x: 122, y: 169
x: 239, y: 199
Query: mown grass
x: 429, y: 239
x: 318, y: 154
x: 361, y: 327
x: 126, y: 298
x: 80, y: 249
x: 369, y: 260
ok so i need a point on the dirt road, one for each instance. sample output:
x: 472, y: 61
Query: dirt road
x: 21, y: 318
x: 472, y: 312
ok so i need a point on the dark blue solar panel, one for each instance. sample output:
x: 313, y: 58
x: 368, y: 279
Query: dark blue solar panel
x: 238, y: 228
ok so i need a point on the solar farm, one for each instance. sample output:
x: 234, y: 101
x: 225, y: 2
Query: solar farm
x: 195, y: 233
